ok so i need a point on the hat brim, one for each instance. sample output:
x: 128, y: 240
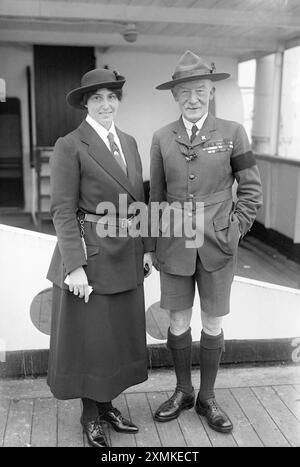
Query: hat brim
x: 210, y: 76
x: 74, y: 98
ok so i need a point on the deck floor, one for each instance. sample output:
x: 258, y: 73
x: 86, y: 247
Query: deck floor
x: 262, y: 402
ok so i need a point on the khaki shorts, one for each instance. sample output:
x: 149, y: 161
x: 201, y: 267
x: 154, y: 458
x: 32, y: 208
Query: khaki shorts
x: 178, y: 292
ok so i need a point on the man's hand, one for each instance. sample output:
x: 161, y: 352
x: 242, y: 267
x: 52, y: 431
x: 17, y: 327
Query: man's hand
x: 155, y: 261
x: 79, y: 284
x: 147, y: 264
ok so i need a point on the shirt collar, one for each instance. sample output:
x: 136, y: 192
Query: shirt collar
x: 199, y: 124
x: 102, y: 132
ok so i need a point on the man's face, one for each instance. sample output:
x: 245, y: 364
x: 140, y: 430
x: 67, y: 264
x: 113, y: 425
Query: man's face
x: 103, y: 106
x: 193, y: 98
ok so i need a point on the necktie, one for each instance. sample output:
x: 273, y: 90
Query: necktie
x: 116, y: 152
x: 194, y: 131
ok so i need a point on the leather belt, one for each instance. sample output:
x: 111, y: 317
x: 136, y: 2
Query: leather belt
x: 114, y: 221
x: 208, y: 199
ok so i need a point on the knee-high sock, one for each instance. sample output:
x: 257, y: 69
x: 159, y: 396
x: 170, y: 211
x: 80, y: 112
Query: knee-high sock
x: 89, y: 410
x: 103, y: 407
x: 211, y: 348
x: 181, y: 349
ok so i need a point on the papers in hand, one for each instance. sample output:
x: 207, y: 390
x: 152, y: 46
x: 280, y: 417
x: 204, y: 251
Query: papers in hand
x: 67, y: 282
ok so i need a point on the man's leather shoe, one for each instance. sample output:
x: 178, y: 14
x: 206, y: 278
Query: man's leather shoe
x: 118, y: 422
x: 95, y: 433
x: 217, y: 419
x: 172, y: 408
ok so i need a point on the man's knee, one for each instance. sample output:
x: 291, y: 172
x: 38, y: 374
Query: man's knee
x: 211, y: 325
x: 180, y: 321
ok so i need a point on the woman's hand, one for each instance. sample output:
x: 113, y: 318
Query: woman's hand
x: 147, y: 264
x: 79, y: 283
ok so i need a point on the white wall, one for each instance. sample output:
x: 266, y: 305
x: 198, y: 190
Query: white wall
x: 289, y: 141
x: 258, y: 310
x: 13, y: 61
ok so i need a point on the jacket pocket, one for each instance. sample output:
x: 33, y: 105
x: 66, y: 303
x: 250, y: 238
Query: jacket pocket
x: 221, y: 223
x: 227, y: 233
x: 92, y: 250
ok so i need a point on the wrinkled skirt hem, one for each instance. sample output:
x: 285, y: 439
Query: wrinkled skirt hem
x: 99, y: 389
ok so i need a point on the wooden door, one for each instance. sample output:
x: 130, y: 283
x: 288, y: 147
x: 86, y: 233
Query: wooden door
x: 11, y: 158
x: 58, y: 70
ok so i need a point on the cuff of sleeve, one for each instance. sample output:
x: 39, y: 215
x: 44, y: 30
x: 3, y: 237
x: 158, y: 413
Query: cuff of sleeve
x: 74, y: 265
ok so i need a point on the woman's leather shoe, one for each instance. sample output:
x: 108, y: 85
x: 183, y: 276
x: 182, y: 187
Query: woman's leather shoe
x: 95, y: 433
x: 172, y: 408
x: 217, y: 419
x: 118, y: 422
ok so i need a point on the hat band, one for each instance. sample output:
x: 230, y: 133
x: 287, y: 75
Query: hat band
x: 188, y: 73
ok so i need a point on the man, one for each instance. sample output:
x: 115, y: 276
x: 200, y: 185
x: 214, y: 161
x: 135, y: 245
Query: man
x: 194, y: 162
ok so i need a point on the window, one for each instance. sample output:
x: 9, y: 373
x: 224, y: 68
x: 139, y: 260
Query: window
x: 246, y: 81
x: 289, y: 134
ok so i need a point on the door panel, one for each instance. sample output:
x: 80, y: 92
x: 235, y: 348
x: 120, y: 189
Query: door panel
x: 11, y: 160
x: 58, y: 70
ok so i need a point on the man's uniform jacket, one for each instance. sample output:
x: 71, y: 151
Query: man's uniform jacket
x: 83, y: 174
x: 204, y: 171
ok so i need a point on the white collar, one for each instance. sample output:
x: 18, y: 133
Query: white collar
x: 199, y: 124
x: 102, y: 132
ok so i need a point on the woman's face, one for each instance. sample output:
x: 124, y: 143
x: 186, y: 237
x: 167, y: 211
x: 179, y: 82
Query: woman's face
x: 103, y: 106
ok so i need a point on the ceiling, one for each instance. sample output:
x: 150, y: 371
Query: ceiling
x: 239, y: 28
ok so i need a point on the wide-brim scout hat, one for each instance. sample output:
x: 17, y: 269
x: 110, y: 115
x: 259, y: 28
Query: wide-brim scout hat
x: 190, y: 67
x: 92, y: 80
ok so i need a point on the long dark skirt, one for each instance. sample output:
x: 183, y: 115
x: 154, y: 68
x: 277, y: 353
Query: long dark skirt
x: 97, y: 349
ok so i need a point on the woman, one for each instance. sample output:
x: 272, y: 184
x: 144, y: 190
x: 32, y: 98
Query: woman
x: 98, y: 343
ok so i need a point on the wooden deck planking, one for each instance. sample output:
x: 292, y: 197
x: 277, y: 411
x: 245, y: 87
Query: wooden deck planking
x: 4, y: 410
x: 266, y: 264
x: 262, y: 402
x: 218, y: 440
x: 192, y: 428
x: 165, y: 380
x: 69, y: 432
x: 290, y: 397
x: 282, y: 416
x: 170, y: 433
x: 141, y: 414
x: 259, y: 415
x: 243, y: 432
x: 265, y: 427
x: 121, y: 439
x: 19, y: 422
x: 44, y: 423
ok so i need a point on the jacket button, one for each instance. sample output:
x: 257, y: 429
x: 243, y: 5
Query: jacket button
x: 192, y: 177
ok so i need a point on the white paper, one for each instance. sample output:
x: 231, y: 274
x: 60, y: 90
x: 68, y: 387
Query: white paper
x: 67, y: 282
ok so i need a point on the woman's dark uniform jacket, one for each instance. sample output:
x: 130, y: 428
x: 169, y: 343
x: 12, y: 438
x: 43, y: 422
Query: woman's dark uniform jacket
x: 84, y: 173
x: 97, y: 349
x: 205, y: 171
